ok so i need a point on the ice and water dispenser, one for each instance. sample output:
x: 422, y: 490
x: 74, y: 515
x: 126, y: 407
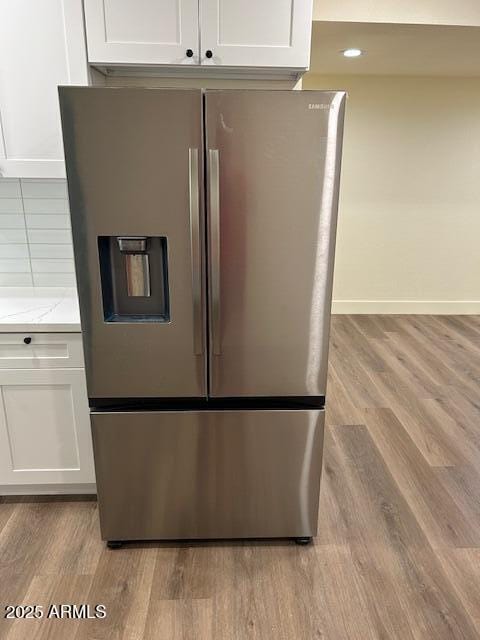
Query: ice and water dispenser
x: 134, y: 278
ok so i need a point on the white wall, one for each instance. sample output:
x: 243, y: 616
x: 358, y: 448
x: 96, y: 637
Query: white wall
x: 455, y: 12
x: 409, y: 220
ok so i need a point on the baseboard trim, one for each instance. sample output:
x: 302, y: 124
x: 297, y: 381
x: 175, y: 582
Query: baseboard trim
x: 430, y: 307
x: 47, y: 489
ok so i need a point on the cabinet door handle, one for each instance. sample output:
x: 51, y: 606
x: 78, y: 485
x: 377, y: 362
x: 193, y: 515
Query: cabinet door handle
x: 195, y: 247
x: 214, y: 199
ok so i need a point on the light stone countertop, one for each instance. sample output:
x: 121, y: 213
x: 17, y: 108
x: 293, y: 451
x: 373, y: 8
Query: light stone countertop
x: 41, y: 309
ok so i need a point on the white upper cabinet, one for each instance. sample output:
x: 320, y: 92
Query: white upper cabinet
x: 253, y: 33
x: 201, y: 33
x: 42, y: 45
x: 142, y: 32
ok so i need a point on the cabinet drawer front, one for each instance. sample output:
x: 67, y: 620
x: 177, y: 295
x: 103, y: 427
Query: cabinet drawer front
x: 40, y: 350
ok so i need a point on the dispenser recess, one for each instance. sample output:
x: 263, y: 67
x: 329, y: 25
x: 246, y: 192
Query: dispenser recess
x: 134, y: 277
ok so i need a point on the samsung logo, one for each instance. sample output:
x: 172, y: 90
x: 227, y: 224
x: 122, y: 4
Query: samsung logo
x: 316, y: 105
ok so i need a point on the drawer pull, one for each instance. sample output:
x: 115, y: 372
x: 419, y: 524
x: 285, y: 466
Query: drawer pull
x: 27, y: 340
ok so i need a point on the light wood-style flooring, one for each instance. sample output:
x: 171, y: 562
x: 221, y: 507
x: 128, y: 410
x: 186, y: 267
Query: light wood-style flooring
x: 398, y: 550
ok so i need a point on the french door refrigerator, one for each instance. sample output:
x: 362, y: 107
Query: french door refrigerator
x: 204, y: 226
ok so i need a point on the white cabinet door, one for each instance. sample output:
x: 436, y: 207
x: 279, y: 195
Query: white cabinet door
x: 44, y: 427
x: 42, y: 45
x: 142, y: 32
x: 254, y: 33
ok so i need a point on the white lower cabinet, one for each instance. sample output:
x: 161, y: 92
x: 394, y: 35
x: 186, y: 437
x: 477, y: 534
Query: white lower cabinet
x: 44, y: 427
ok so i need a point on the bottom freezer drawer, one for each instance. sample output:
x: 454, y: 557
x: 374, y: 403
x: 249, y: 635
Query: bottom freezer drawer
x: 208, y: 474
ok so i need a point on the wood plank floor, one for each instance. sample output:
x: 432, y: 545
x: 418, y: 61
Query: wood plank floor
x: 398, y: 550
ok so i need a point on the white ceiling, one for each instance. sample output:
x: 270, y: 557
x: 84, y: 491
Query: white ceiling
x: 395, y: 49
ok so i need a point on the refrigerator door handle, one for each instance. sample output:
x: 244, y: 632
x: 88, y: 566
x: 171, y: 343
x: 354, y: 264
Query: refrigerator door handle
x: 195, y: 251
x: 215, y: 248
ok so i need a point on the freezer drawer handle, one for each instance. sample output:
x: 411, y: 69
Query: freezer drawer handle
x: 195, y: 251
x: 215, y: 248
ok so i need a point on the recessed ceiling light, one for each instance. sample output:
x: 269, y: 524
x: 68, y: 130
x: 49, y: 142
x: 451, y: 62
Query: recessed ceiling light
x: 352, y: 53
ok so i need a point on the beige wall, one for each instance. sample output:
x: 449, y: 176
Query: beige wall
x: 459, y: 12
x: 409, y: 220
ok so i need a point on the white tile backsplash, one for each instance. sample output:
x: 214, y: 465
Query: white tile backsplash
x: 11, y: 221
x: 44, y: 265
x: 11, y: 205
x: 16, y: 280
x: 54, y: 280
x: 14, y: 265
x: 45, y: 205
x: 10, y: 188
x: 35, y: 237
x: 13, y: 235
x: 52, y: 236
x: 44, y: 189
x: 45, y: 221
x: 14, y: 251
x: 49, y: 251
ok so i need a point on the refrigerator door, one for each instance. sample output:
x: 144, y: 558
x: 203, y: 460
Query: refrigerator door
x: 273, y: 173
x: 135, y: 176
x: 208, y: 474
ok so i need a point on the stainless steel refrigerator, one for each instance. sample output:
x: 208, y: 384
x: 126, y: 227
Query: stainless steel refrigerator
x: 204, y: 232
